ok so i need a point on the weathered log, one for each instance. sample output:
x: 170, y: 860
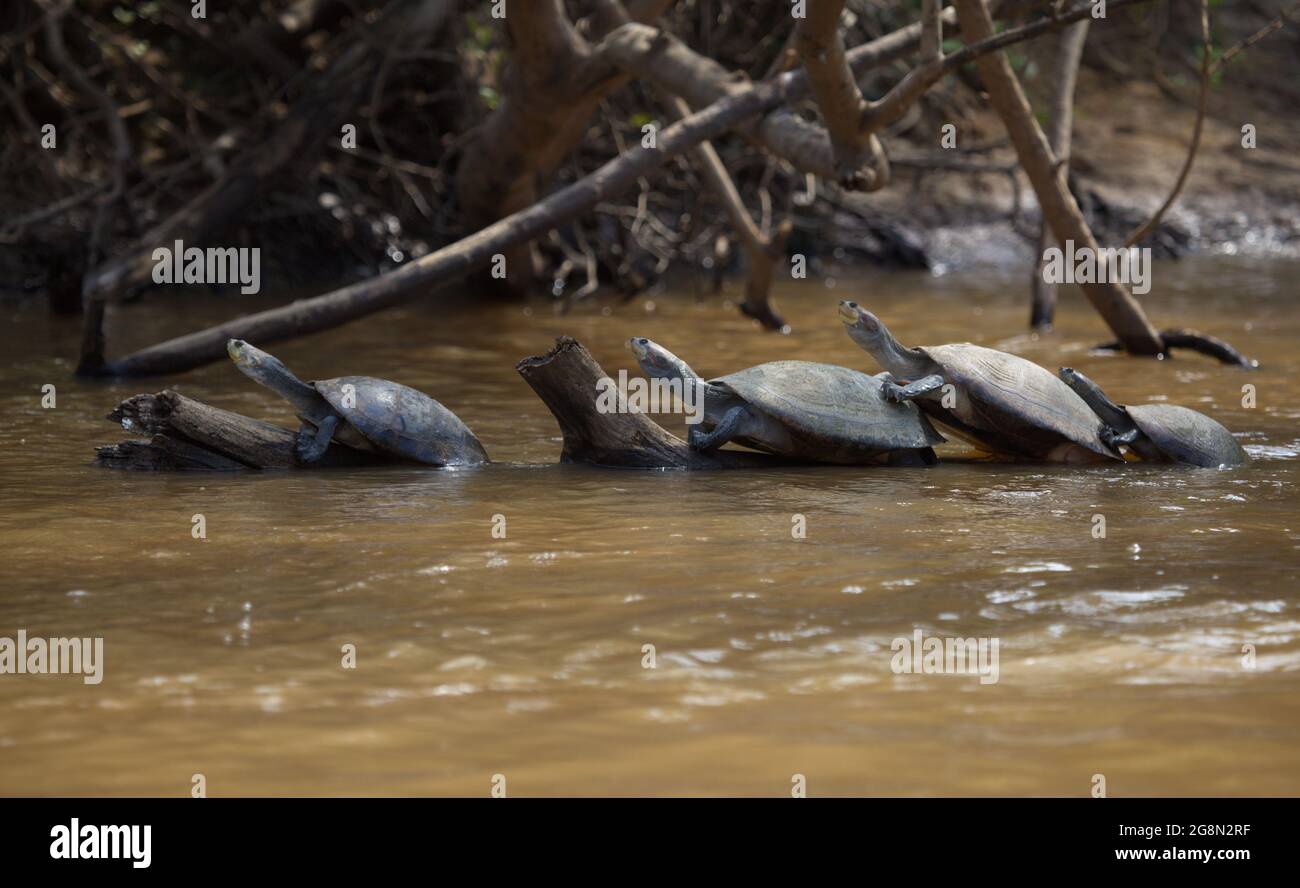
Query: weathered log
x: 188, y: 435
x: 163, y: 454
x: 566, y: 379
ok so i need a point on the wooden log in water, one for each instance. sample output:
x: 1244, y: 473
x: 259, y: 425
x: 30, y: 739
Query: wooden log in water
x: 188, y: 435
x: 566, y: 379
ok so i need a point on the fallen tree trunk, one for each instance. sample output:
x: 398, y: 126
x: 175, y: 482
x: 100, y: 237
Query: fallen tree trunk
x: 453, y: 261
x: 566, y: 379
x: 188, y: 435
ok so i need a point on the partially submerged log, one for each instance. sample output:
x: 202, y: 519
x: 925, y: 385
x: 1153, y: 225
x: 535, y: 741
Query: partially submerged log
x: 567, y: 378
x: 188, y: 435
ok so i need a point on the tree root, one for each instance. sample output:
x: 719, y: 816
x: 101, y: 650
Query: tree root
x: 1197, y: 342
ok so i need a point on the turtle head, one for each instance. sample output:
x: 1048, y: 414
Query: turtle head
x: 1083, y: 386
x: 1091, y: 393
x: 854, y: 315
x: 863, y: 327
x: 1073, y: 378
x: 658, y: 362
x: 262, y: 367
x: 874, y: 337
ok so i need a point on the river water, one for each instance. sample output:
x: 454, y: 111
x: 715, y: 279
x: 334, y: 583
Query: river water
x: 1164, y: 656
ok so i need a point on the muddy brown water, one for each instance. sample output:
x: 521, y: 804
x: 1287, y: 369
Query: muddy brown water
x: 524, y: 656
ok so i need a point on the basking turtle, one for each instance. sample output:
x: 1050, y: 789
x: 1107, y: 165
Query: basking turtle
x: 803, y: 410
x: 1002, y: 403
x: 364, y: 413
x: 1159, y: 432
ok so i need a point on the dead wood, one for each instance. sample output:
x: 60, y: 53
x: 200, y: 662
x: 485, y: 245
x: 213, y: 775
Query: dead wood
x: 187, y: 435
x: 567, y: 378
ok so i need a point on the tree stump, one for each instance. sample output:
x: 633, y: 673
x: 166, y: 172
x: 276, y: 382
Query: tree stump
x: 566, y: 379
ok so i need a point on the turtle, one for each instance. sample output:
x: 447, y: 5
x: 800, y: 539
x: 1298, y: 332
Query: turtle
x: 1001, y: 403
x: 803, y: 410
x: 364, y: 413
x: 1159, y: 432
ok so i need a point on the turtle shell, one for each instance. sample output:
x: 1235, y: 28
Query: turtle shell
x: 1015, y: 406
x: 402, y: 421
x: 832, y: 413
x: 1186, y: 436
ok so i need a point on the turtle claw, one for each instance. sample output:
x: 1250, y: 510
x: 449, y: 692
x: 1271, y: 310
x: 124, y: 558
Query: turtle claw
x: 313, y: 442
x: 697, y: 438
x: 897, y: 394
x: 726, y: 429
x: 305, y: 448
x: 702, y: 441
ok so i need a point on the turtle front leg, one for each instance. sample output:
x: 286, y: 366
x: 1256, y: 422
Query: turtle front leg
x: 897, y: 394
x: 313, y: 442
x: 726, y: 429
